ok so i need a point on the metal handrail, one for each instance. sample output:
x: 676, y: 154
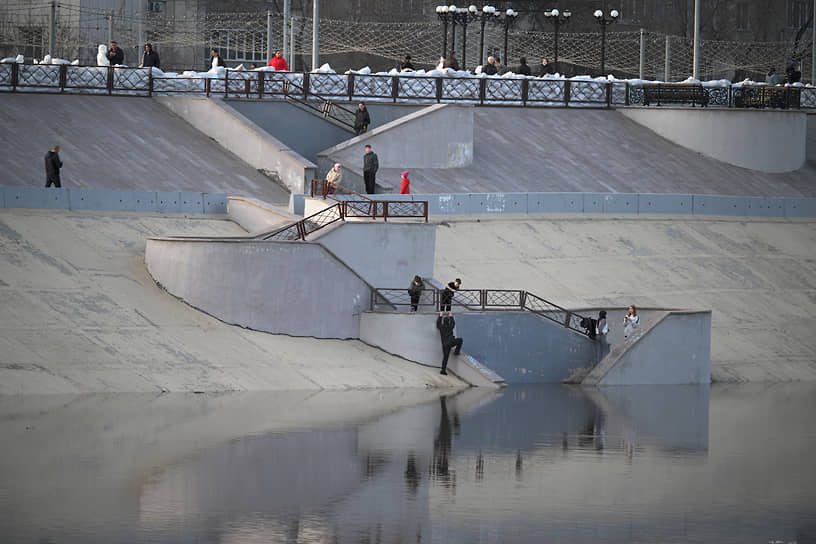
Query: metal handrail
x: 302, y: 228
x: 484, y: 300
x: 321, y: 187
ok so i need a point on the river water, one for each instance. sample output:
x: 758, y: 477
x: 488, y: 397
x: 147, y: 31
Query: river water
x: 526, y: 464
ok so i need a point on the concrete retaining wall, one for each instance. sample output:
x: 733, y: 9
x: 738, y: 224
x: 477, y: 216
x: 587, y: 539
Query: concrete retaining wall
x: 272, y: 290
x: 524, y: 348
x: 611, y: 203
x: 74, y: 198
x: 768, y: 141
x: 256, y: 216
x: 672, y: 348
x: 385, y: 254
x: 238, y: 134
x: 441, y: 136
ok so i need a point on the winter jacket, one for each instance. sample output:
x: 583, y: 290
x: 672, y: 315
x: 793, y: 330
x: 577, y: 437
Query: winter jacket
x: 216, y: 61
x: 405, y: 186
x: 279, y: 64
x: 450, y: 62
x: 524, y: 69
x: 447, y: 294
x: 370, y: 162
x: 150, y: 58
x: 361, y: 120
x: 544, y: 69
x: 489, y: 69
x: 116, y: 56
x: 334, y: 177
x: 406, y: 65
x: 415, y: 289
x: 445, y: 326
x: 772, y: 79
x: 52, y: 164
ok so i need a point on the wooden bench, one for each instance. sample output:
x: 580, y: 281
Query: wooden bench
x: 675, y: 93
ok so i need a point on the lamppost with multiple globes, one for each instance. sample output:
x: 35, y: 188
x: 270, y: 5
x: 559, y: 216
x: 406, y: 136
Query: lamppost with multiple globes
x: 446, y: 16
x: 604, y: 19
x: 487, y: 13
x: 455, y: 16
x: 508, y: 20
x: 557, y: 18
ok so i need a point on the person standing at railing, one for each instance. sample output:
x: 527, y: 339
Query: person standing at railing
x: 52, y: 167
x: 772, y: 78
x: 405, y: 184
x: 446, y: 297
x: 370, y: 166
x: 415, y: 291
x: 631, y: 321
x: 115, y: 54
x: 544, y: 69
x: 333, y: 178
x: 406, y: 65
x: 489, y: 69
x: 361, y: 119
x: 150, y: 59
x: 524, y: 68
x: 601, y: 332
x: 449, y: 341
x: 278, y: 62
x: 216, y: 59
x: 451, y: 62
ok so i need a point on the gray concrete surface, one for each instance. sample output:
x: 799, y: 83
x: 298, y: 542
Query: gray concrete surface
x: 765, y: 140
x: 414, y: 336
x: 240, y: 135
x: 306, y: 132
x: 255, y: 216
x: 524, y: 348
x: 670, y: 348
x: 263, y: 285
x: 757, y: 276
x: 588, y: 150
x: 385, y: 255
x: 125, y: 143
x: 81, y: 314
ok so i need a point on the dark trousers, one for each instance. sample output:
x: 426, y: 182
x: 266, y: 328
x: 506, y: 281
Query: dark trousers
x: 414, y: 302
x: 445, y: 304
x: 370, y: 184
x: 55, y: 180
x: 457, y: 342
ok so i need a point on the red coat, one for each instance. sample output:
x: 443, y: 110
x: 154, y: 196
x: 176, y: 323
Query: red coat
x: 279, y: 64
x: 405, y: 186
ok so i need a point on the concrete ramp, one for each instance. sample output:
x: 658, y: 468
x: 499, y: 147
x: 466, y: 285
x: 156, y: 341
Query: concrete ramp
x: 592, y: 150
x: 128, y: 143
x: 671, y: 348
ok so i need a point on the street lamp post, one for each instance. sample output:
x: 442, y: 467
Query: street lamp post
x: 484, y: 16
x: 557, y: 18
x: 508, y: 20
x: 465, y: 16
x: 446, y: 16
x: 602, y: 19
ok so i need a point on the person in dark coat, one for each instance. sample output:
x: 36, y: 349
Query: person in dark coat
x: 361, y: 119
x: 215, y: 59
x: 490, y: 69
x: 449, y: 341
x: 52, y: 167
x: 793, y: 72
x: 406, y: 64
x: 150, y: 58
x: 115, y: 54
x: 447, y: 295
x: 544, y: 68
x: 370, y: 166
x: 524, y: 68
x: 451, y: 62
x: 415, y: 291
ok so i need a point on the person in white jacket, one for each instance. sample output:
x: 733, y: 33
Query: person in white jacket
x: 631, y: 321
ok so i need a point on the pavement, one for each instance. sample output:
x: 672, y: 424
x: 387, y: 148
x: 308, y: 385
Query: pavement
x: 758, y: 276
x: 81, y: 314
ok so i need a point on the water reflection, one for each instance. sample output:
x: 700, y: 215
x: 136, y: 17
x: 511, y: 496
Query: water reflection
x: 531, y: 463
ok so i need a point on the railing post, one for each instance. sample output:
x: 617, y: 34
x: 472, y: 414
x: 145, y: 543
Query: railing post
x: 150, y: 82
x: 483, y: 298
x: 109, y: 82
x: 15, y: 76
x: 305, y: 85
x: 626, y: 98
x: 350, y: 87
x: 438, y: 90
x: 522, y: 299
x: 567, y: 319
x: 394, y: 88
x: 247, y: 87
x: 482, y: 90
x: 385, y: 210
x: 63, y: 77
x: 226, y: 83
x: 608, y: 94
x: 207, y: 87
x: 301, y: 230
x: 260, y: 84
x: 525, y: 91
x: 425, y: 207
x: 567, y: 88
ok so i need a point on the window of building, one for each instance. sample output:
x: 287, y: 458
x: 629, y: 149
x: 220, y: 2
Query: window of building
x: 239, y: 45
x: 743, y: 19
x: 798, y: 13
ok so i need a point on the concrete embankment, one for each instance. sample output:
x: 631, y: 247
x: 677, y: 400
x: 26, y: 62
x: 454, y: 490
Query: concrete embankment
x: 757, y: 276
x: 82, y: 314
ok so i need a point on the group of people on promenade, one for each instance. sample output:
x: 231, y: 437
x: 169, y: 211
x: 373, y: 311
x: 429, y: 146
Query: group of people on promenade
x: 793, y: 74
x: 492, y: 67
x: 371, y: 164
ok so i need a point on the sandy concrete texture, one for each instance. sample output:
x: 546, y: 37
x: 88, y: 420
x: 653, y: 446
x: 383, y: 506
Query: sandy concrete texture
x: 757, y: 276
x: 763, y: 140
x: 518, y: 150
x: 82, y: 314
x: 119, y: 143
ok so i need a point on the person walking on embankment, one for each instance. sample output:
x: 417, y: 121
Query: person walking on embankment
x: 630, y: 321
x: 52, y: 167
x: 361, y: 119
x: 405, y: 184
x: 415, y: 291
x: 370, y: 166
x: 449, y: 341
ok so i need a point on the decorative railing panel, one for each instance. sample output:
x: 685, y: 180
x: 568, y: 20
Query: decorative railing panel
x: 328, y: 85
x: 503, y: 90
x: 460, y: 89
x: 416, y: 88
x: 545, y: 90
x: 38, y: 76
x: 7, y: 74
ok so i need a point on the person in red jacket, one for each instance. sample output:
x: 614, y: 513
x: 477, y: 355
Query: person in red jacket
x: 405, y: 184
x: 278, y: 62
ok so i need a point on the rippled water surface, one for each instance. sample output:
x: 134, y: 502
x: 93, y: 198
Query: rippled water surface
x: 528, y: 464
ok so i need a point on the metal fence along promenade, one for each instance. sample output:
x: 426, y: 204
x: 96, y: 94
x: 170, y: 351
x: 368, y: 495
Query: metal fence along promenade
x: 330, y: 88
x: 480, y: 300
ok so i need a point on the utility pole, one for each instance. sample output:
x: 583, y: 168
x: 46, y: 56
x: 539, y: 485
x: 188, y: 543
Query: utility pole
x: 813, y: 46
x: 642, y: 53
x: 268, y: 35
x: 696, y: 66
x: 315, y: 37
x: 110, y: 27
x: 52, y: 41
x: 667, y: 68
x: 286, y: 36
x: 292, y: 45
